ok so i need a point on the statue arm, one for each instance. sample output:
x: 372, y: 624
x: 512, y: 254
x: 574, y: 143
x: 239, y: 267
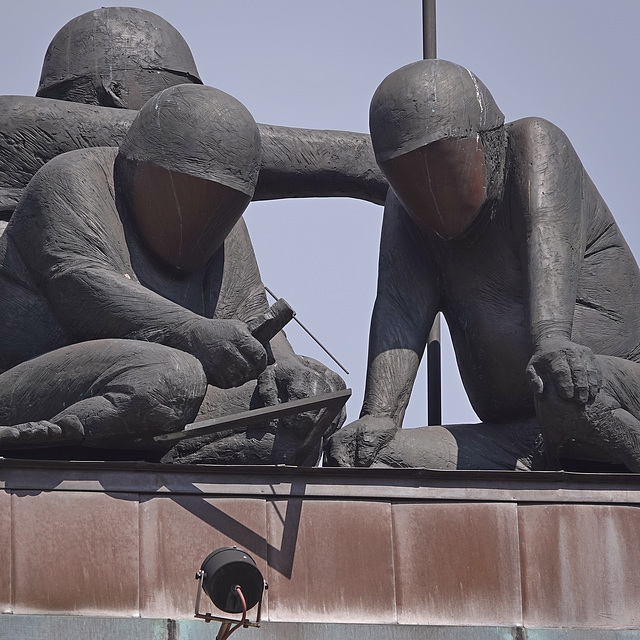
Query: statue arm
x: 296, y: 163
x: 68, y: 231
x: 36, y: 130
x: 547, y: 177
x: 405, y: 307
x: 406, y: 304
x: 309, y: 163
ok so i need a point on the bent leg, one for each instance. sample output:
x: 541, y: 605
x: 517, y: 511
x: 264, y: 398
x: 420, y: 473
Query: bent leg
x: 607, y: 429
x: 515, y: 445
x: 122, y: 392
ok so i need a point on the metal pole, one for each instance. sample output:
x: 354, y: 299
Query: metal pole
x: 434, y: 375
x: 429, y: 29
x: 434, y: 358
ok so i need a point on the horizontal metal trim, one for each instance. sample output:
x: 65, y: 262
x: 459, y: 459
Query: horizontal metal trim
x: 283, y: 481
x: 78, y: 627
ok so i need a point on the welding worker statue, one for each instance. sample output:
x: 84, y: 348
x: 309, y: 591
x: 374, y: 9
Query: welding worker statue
x: 99, y: 69
x: 122, y: 309
x: 499, y: 227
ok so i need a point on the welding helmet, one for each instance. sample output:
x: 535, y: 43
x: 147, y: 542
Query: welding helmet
x: 188, y: 168
x: 115, y: 57
x: 427, y: 121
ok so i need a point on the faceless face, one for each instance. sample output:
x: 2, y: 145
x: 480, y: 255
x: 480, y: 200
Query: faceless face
x: 442, y: 184
x: 183, y: 219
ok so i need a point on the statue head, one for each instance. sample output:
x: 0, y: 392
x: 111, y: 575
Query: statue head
x: 428, y: 120
x: 115, y: 57
x: 187, y: 170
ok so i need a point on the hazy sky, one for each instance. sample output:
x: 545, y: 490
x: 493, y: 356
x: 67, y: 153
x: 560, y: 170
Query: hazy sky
x: 317, y: 64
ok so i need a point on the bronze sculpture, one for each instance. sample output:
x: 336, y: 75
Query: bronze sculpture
x: 294, y: 164
x: 500, y: 227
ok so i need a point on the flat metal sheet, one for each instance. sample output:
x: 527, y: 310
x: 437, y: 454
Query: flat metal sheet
x: 78, y: 628
x: 75, y: 553
x: 330, y: 561
x: 457, y: 563
x: 580, y: 565
x: 5, y: 551
x: 178, y: 532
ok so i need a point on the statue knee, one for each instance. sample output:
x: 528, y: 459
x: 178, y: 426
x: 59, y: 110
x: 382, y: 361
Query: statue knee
x: 156, y: 388
x: 573, y: 430
x: 173, y: 385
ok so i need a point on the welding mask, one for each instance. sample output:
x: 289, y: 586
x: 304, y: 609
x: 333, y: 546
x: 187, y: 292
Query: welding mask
x: 187, y: 170
x: 115, y: 57
x: 426, y: 122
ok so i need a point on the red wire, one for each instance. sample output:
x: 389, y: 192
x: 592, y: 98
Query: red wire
x: 244, y: 615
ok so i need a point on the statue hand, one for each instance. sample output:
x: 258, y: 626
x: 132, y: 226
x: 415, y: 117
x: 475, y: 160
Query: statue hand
x: 358, y: 444
x: 570, y: 368
x: 229, y: 354
x: 294, y: 378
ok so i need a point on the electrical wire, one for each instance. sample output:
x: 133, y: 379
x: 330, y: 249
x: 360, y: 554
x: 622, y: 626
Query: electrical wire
x: 244, y: 614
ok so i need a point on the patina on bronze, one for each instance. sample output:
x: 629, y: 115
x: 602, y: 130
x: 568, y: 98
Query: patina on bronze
x: 499, y: 227
x: 93, y: 60
x: 156, y: 330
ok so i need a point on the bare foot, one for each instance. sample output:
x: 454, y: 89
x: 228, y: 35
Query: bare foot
x: 42, y: 433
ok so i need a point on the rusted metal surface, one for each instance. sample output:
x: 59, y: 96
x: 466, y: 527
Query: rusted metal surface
x: 176, y: 535
x: 5, y: 551
x: 457, y: 563
x: 373, y: 547
x: 580, y: 565
x: 330, y: 561
x: 75, y: 553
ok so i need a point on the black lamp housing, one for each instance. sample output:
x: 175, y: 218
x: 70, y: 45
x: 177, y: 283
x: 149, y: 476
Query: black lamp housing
x: 221, y: 572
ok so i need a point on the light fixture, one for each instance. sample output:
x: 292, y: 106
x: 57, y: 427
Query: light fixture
x: 233, y: 582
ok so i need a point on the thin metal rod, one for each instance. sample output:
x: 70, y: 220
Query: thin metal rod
x: 434, y: 355
x: 434, y: 375
x: 429, y: 50
x: 275, y: 297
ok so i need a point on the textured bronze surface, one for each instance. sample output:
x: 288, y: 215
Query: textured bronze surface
x: 176, y: 535
x: 580, y: 565
x: 75, y: 553
x: 330, y: 561
x: 457, y: 563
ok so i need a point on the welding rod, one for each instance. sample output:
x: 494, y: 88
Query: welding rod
x: 275, y: 297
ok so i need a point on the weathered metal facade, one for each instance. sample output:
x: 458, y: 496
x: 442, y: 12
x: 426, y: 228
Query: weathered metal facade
x: 109, y: 550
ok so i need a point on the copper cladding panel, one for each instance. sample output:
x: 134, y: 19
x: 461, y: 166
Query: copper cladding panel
x: 5, y: 551
x: 330, y: 561
x: 580, y: 565
x: 177, y: 534
x: 457, y: 563
x: 75, y: 553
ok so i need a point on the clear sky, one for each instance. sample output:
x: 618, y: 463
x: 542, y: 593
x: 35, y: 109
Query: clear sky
x: 316, y: 64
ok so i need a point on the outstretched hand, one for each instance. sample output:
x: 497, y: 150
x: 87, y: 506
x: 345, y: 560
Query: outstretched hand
x: 358, y: 444
x: 569, y: 368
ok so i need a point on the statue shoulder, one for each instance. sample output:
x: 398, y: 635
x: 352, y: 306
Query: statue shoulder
x: 72, y: 174
x: 73, y: 191
x: 531, y: 134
